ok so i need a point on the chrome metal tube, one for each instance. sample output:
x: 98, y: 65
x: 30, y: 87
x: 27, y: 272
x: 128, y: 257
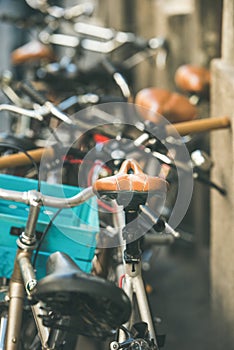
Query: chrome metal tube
x: 28, y: 236
x: 21, y: 111
x: 27, y: 197
x: 78, y: 199
x: 143, y: 305
x: 27, y: 271
x: 3, y: 327
x: 30, y: 281
x: 16, y: 295
x: 14, y: 196
x: 128, y: 288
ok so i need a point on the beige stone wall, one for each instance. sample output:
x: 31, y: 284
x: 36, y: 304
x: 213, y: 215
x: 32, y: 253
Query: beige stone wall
x: 222, y: 208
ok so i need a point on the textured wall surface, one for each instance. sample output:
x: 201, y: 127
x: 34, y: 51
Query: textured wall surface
x: 222, y: 146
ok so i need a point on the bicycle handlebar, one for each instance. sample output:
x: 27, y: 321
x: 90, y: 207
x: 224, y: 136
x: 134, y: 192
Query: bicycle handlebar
x: 101, y: 39
x: 30, y: 197
x: 58, y: 12
x: 20, y: 159
x: 107, y: 47
x: 200, y: 125
x: 208, y: 124
x: 105, y: 40
x: 55, y: 13
x: 118, y: 78
x: 22, y: 111
x: 39, y: 112
x: 183, y: 128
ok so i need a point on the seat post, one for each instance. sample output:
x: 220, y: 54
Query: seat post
x: 134, y: 284
x: 132, y: 236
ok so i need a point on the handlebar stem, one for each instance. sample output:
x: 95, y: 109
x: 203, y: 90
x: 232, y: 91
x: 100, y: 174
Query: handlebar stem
x: 28, y: 237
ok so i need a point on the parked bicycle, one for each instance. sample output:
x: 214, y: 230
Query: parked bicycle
x: 90, y: 58
x: 104, y: 305
x: 67, y: 301
x: 142, y: 136
x: 74, y: 301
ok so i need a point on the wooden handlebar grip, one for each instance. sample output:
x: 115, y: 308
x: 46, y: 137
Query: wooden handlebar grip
x: 200, y: 125
x: 19, y: 159
x: 184, y: 128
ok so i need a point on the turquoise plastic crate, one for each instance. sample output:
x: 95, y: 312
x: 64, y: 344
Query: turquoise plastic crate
x: 73, y: 231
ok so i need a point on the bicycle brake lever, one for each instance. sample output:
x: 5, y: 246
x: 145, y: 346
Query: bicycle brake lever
x: 45, y: 107
x: 158, y: 223
x: 57, y: 113
x: 210, y: 183
x: 171, y: 231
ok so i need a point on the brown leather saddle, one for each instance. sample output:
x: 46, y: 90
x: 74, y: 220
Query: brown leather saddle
x: 130, y: 178
x: 193, y: 79
x: 31, y: 52
x: 130, y: 186
x: 173, y: 106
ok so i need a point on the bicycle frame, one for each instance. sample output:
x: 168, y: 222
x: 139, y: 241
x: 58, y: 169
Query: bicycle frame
x: 133, y: 285
x: 23, y: 279
x: 129, y: 274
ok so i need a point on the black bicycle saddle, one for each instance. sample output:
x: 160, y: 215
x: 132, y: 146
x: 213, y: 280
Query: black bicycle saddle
x: 95, y: 307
